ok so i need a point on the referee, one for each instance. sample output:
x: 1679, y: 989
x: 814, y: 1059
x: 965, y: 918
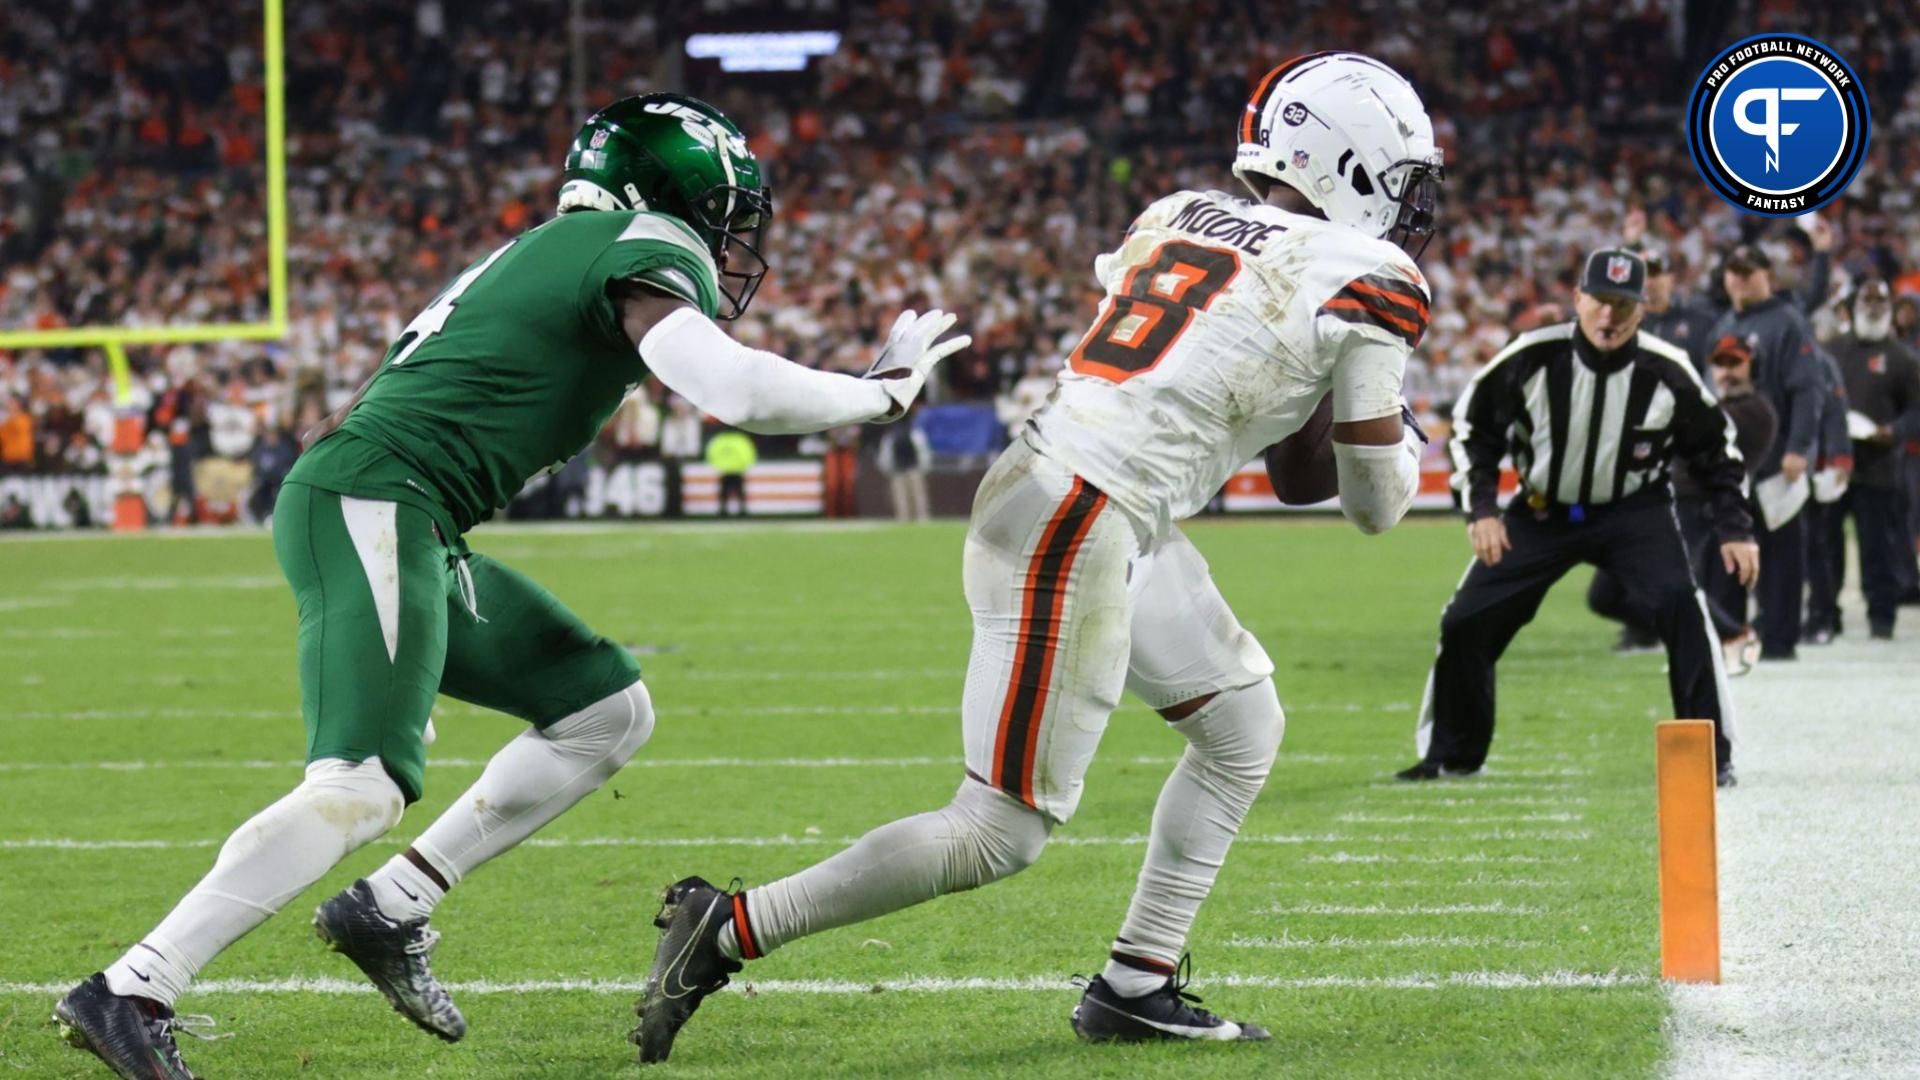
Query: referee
x: 1590, y: 411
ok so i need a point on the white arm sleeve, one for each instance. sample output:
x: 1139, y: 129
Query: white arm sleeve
x: 1377, y: 483
x: 1367, y: 380
x: 750, y: 389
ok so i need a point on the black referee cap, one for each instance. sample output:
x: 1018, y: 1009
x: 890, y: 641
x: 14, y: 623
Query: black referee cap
x: 1615, y: 272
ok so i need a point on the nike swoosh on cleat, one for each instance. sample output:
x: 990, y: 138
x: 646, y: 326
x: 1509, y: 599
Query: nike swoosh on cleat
x: 1226, y: 1030
x: 678, y: 965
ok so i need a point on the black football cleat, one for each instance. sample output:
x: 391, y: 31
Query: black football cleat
x: 133, y: 1035
x: 1167, y: 1013
x: 687, y: 964
x: 1431, y: 770
x: 394, y: 955
x: 1724, y: 776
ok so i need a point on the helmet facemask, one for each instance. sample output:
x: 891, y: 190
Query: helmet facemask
x: 1418, y: 203
x: 734, y: 240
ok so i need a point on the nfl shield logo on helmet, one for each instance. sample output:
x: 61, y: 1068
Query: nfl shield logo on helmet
x: 599, y: 139
x: 1300, y: 159
x: 1619, y: 269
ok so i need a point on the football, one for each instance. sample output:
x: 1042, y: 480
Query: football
x: 1301, y: 465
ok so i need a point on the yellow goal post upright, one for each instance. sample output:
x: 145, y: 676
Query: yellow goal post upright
x: 129, y: 507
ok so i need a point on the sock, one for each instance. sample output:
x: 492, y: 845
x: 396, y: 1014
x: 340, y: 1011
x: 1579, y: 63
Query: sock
x: 1231, y: 742
x: 1132, y: 976
x: 531, y: 781
x: 265, y: 863
x: 729, y: 942
x: 404, y: 892
x: 982, y: 836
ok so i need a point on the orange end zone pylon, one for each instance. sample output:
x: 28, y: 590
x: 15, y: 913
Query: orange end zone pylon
x: 1689, y: 858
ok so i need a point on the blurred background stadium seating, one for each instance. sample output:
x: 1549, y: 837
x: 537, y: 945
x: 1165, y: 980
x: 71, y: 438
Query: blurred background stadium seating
x: 973, y: 155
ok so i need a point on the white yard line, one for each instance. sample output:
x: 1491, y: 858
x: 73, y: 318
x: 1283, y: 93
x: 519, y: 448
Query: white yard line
x: 1404, y: 941
x: 1471, y: 857
x: 68, y: 843
x: 1479, y: 980
x: 1497, y: 907
x: 1561, y: 818
x: 1476, y: 881
x: 1820, y: 911
x: 637, y: 763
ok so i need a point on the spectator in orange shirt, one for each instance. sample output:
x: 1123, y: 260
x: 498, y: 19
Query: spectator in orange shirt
x: 16, y: 436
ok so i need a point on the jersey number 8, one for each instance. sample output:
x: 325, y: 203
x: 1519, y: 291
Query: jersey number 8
x: 1153, y: 309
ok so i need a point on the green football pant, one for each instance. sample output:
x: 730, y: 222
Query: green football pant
x: 390, y: 615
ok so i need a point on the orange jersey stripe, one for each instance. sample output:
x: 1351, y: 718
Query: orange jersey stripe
x: 1410, y: 301
x: 1347, y: 304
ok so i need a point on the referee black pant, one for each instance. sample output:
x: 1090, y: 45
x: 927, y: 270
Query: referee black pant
x: 1636, y: 541
x: 1726, y: 597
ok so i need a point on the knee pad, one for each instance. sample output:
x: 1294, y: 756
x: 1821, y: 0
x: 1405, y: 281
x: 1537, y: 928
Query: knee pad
x: 998, y: 836
x: 606, y: 734
x: 1239, y: 731
x: 356, y: 798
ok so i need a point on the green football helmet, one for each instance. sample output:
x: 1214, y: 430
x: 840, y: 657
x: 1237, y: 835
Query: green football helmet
x: 677, y: 155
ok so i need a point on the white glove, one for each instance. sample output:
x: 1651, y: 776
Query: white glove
x: 911, y: 351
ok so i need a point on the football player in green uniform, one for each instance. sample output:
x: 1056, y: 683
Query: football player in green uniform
x: 511, y: 370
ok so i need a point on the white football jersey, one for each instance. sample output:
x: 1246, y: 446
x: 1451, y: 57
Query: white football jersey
x: 1221, y: 328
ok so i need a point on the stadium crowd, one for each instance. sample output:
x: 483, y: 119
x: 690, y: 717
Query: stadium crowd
x: 972, y: 155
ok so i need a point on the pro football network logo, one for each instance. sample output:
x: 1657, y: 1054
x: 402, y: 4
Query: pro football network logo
x: 1778, y: 124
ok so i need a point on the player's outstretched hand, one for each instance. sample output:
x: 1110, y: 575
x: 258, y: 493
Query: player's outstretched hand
x: 1742, y: 560
x: 1489, y: 538
x: 913, y: 347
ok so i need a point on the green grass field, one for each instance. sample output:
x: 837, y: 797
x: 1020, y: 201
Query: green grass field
x: 807, y: 681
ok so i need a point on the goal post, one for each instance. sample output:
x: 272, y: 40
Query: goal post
x: 274, y: 106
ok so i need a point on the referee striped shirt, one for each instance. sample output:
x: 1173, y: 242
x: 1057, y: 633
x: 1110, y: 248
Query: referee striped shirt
x: 1586, y: 428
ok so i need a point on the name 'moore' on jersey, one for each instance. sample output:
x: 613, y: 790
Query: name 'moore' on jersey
x: 512, y: 369
x: 1221, y: 328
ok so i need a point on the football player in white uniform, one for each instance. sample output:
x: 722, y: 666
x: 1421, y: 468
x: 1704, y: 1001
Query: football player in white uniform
x: 1224, y: 324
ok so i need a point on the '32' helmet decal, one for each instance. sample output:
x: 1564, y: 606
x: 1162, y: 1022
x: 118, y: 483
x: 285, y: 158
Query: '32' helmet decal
x: 1778, y: 124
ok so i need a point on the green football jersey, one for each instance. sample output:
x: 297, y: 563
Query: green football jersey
x: 512, y: 369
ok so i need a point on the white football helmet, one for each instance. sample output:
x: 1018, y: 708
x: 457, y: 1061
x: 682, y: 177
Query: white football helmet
x: 1349, y: 133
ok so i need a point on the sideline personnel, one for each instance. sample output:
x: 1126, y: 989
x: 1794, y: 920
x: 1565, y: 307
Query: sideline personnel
x: 1589, y: 411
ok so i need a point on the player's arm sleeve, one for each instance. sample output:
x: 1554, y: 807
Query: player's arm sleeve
x: 1706, y: 438
x: 751, y: 389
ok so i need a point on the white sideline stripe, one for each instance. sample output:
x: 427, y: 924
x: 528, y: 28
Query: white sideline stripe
x: 637, y: 763
x: 784, y: 840
x: 923, y: 984
x: 1819, y: 929
x: 1404, y: 941
x: 1497, y: 907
